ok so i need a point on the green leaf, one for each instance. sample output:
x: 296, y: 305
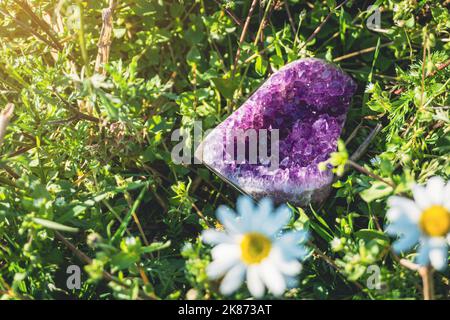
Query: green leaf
x: 376, y: 191
x: 261, y: 66
x: 54, y: 225
x: 368, y: 235
x: 193, y: 56
x: 226, y: 87
x: 155, y: 246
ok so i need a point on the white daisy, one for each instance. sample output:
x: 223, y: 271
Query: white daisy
x: 426, y: 221
x: 254, y: 248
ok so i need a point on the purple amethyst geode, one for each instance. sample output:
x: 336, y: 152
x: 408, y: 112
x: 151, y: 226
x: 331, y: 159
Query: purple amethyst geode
x: 307, y: 101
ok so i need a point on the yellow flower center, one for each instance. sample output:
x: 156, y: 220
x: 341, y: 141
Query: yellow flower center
x: 435, y: 221
x: 255, y: 247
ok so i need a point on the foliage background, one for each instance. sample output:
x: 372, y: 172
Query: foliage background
x: 85, y: 163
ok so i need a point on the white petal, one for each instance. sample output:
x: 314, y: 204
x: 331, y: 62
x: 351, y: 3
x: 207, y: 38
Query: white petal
x: 225, y: 251
x: 289, y: 267
x: 245, y: 207
x: 446, y: 196
x: 261, y: 215
x: 407, y: 206
x: 421, y: 197
x: 233, y: 279
x: 254, y: 282
x: 435, y: 190
x: 395, y: 213
x: 294, y: 237
x: 219, y: 267
x: 265, y: 207
x: 212, y: 236
x: 407, y: 242
x: 402, y: 227
x: 278, y: 220
x: 228, y: 219
x: 272, y: 277
x: 438, y: 253
x: 290, y: 244
x: 423, y: 253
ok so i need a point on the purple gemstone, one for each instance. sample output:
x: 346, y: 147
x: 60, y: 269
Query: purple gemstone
x: 307, y: 101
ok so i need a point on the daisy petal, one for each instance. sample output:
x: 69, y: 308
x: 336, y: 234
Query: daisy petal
x: 402, y: 227
x: 228, y: 219
x: 225, y: 251
x: 265, y: 207
x: 290, y: 244
x: 434, y: 189
x: 287, y: 267
x: 407, y: 206
x: 438, y: 253
x: 294, y: 237
x: 212, y: 237
x: 278, y: 220
x: 254, y: 282
x: 423, y: 253
x: 219, y: 267
x: 446, y: 196
x: 233, y: 279
x: 272, y: 278
x: 407, y: 242
x: 245, y: 207
x: 421, y: 197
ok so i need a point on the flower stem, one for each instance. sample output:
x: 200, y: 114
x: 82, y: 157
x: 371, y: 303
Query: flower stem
x: 370, y: 174
x: 428, y: 284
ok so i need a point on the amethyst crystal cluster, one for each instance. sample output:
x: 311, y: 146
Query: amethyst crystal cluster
x: 307, y: 101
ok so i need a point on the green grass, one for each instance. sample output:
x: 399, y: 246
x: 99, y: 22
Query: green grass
x: 85, y: 162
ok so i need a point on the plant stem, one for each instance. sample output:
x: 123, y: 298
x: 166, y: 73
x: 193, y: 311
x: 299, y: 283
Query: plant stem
x: 320, y: 26
x: 81, y: 38
x: 427, y: 280
x: 356, y: 53
x: 243, y: 34
x: 370, y: 174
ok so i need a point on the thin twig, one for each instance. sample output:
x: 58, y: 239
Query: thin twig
x: 359, y: 52
x: 438, y: 68
x: 262, y: 23
x: 353, y: 134
x: 5, y: 117
x: 291, y: 20
x: 44, y: 26
x: 363, y: 147
x: 370, y: 174
x: 104, y: 42
x: 201, y: 215
x: 75, y: 110
x: 243, y: 34
x: 231, y: 14
x: 320, y: 26
x: 29, y: 29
